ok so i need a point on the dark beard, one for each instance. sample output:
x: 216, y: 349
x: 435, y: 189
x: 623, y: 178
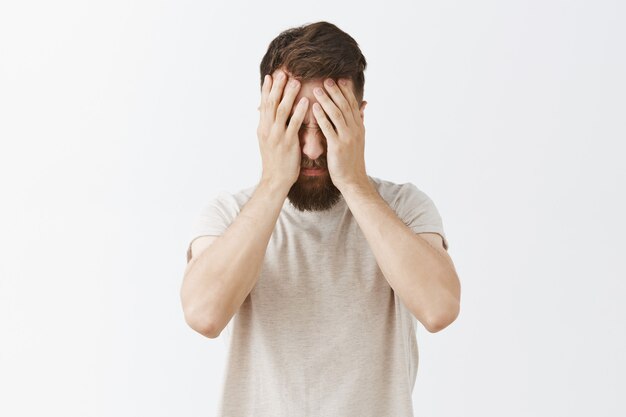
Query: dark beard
x: 314, y: 193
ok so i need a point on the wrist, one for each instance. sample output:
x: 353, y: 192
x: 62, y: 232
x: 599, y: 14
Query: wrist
x: 359, y: 185
x: 275, y: 187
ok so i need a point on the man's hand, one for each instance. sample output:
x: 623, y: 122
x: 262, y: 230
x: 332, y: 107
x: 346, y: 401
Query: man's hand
x: 346, y: 141
x: 278, y: 142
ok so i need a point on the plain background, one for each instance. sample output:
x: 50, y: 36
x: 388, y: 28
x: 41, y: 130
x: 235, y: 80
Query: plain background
x: 119, y: 120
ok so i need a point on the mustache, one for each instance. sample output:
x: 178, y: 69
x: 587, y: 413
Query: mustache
x: 310, y: 164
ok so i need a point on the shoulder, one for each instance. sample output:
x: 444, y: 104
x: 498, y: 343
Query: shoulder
x: 398, y: 195
x: 241, y: 197
x: 231, y: 201
x: 415, y: 208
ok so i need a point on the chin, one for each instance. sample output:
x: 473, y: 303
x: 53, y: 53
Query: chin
x: 314, y: 193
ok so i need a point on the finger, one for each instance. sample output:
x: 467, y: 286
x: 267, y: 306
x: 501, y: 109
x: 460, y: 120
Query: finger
x: 267, y: 115
x: 333, y: 112
x: 284, y: 108
x: 324, y: 123
x: 347, y: 87
x: 338, y: 96
x: 278, y: 83
x: 298, y: 116
x: 265, y: 89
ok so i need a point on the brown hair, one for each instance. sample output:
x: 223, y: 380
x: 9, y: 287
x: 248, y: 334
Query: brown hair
x: 316, y: 50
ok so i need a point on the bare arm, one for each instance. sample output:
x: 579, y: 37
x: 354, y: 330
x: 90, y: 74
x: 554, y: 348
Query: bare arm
x: 421, y: 274
x: 218, y: 280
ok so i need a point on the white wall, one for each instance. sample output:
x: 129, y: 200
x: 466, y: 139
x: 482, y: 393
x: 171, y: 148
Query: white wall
x: 120, y: 119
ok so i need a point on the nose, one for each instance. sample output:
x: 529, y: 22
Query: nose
x: 312, y: 141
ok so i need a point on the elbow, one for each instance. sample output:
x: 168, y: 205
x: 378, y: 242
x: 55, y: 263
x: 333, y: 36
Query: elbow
x: 201, y: 325
x: 443, y: 319
x: 196, y: 317
x: 210, y: 331
x: 446, y: 312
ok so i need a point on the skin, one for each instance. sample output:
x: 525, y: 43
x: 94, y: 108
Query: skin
x: 307, y: 192
x: 311, y: 135
x: 416, y: 266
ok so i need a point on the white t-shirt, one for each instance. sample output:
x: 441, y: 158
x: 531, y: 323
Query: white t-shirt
x: 322, y: 334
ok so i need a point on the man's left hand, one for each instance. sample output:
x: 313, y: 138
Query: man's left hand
x: 345, y: 141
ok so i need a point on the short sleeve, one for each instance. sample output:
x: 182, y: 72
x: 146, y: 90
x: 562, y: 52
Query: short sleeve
x: 213, y: 219
x: 418, y: 211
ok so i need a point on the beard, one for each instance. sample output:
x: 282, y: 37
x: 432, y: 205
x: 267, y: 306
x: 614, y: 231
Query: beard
x: 314, y: 192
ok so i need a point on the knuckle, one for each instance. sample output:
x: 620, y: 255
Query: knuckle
x: 281, y: 111
x: 275, y: 131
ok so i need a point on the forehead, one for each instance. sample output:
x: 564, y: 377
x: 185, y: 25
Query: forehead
x: 307, y: 87
x: 308, y: 84
x: 306, y: 90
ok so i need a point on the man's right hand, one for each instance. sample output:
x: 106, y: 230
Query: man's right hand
x: 278, y: 142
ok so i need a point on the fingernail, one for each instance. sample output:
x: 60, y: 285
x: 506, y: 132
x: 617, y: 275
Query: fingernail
x: 343, y: 82
x: 318, y: 91
x: 330, y: 82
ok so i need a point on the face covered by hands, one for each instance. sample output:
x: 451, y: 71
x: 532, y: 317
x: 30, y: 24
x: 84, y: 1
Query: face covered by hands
x: 331, y: 138
x: 336, y: 149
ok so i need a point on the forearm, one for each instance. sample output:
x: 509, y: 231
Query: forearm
x: 223, y: 275
x: 423, y: 279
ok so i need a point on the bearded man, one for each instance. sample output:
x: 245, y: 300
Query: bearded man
x: 323, y: 269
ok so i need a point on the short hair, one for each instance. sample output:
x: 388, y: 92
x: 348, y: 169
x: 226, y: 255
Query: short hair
x: 316, y: 50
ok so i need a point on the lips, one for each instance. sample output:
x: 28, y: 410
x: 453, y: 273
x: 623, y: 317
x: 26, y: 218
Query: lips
x: 313, y: 171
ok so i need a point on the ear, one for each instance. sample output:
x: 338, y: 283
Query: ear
x: 362, y: 108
